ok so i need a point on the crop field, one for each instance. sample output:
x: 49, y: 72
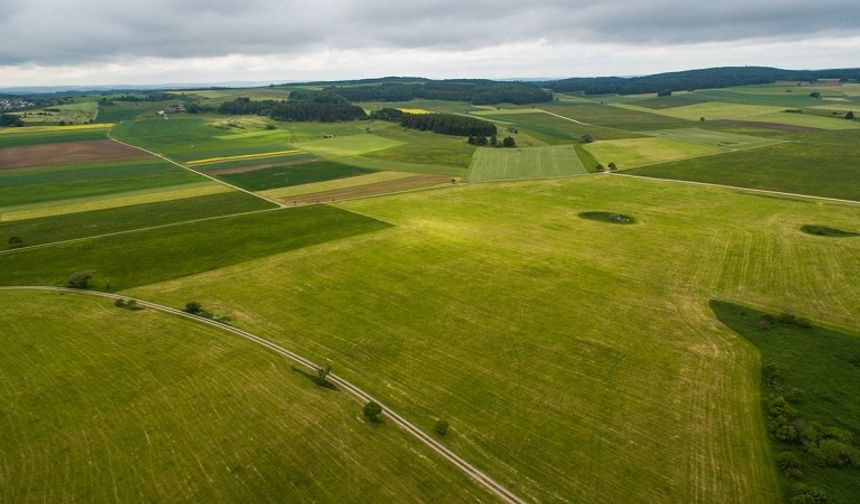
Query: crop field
x: 289, y: 175
x: 534, y: 162
x: 72, y: 113
x: 630, y: 152
x: 96, y: 222
x: 814, y: 164
x: 615, y: 117
x: 808, y: 120
x: 205, y: 416
x: 722, y: 139
x: 708, y: 110
x: 352, y: 145
x: 411, y: 183
x: 554, y: 130
x: 599, y: 352
x: 69, y: 152
x: 33, y: 135
x: 329, y: 185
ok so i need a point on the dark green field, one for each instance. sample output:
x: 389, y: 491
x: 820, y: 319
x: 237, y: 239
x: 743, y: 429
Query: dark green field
x: 82, y: 224
x: 129, y: 260
x: 282, y: 176
x: 817, y: 372
x: 58, y: 135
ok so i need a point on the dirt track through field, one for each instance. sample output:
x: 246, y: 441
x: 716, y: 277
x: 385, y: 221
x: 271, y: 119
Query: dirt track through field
x: 473, y: 472
x: 389, y: 186
x: 67, y: 152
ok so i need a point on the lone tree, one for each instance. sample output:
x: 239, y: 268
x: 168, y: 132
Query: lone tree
x: 372, y: 410
x: 193, y: 307
x: 612, y: 166
x: 15, y: 242
x: 80, y: 280
x: 849, y: 115
x: 598, y: 168
x: 323, y: 372
x: 586, y: 138
x: 815, y: 94
x: 441, y: 427
x: 509, y: 142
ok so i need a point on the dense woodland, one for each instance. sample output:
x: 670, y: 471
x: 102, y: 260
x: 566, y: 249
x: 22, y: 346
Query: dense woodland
x: 476, y: 92
x: 307, y: 106
x: 446, y: 124
x: 695, y: 79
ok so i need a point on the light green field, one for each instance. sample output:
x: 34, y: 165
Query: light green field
x: 630, y: 152
x: 352, y: 145
x: 378, y: 162
x: 103, y: 404
x: 492, y: 163
x: 808, y: 120
x: 564, y: 352
x: 328, y: 185
x: 713, y: 138
x: 72, y: 113
x: 708, y: 110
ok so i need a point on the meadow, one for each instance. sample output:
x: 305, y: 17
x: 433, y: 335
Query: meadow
x: 600, y: 353
x: 18, y: 137
x: 630, y: 152
x: 206, y: 416
x: 289, y: 175
x: 534, y: 162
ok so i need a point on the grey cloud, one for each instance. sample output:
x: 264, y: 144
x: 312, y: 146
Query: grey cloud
x: 54, y: 32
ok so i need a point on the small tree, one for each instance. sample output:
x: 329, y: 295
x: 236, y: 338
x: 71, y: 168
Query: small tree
x: 193, y: 307
x: 15, y: 242
x: 119, y: 303
x: 612, y: 166
x: 481, y: 140
x: 789, y: 463
x: 323, y: 372
x: 509, y: 142
x: 80, y: 280
x: 441, y: 427
x: 372, y: 410
x: 494, y: 140
x: 849, y: 115
x: 599, y: 168
x: 702, y: 119
x: 586, y: 138
x: 815, y: 94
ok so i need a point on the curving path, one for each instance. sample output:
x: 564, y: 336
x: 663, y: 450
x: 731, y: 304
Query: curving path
x: 473, y: 472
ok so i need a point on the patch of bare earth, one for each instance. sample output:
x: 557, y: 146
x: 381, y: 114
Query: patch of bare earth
x: 389, y: 186
x: 69, y: 152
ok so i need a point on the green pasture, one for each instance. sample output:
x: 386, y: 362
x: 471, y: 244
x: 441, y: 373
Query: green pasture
x: 81, y: 224
x: 70, y: 113
x: 289, y: 175
x: 104, y: 404
x: 722, y: 139
x: 352, y: 145
x: 708, y: 110
x: 813, y: 164
x: 563, y: 351
x: 535, y: 162
x: 555, y: 130
x: 423, y: 148
x: 340, y: 183
x: 631, y: 118
x: 808, y: 120
x: 630, y: 152
x: 61, y: 182
x: 18, y: 137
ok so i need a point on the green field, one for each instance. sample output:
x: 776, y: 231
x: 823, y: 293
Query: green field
x: 708, y: 110
x: 72, y: 113
x: 289, y: 175
x: 17, y: 137
x: 822, y: 365
x: 97, y: 222
x: 615, y: 117
x: 722, y: 139
x: 191, y: 413
x: 534, y: 162
x: 554, y: 130
x: 563, y: 350
x: 144, y: 257
x: 814, y: 164
x: 630, y: 152
x: 808, y: 120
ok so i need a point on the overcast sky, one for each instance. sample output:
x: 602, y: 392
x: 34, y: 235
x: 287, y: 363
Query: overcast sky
x: 68, y: 42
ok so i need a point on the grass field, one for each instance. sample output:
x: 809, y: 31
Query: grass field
x: 708, y: 110
x: 535, y: 162
x: 808, y: 120
x: 615, y: 117
x: 627, y: 153
x: 328, y: 185
x: 71, y: 113
x: 128, y: 260
x: 722, y: 139
x: 17, y: 137
x: 814, y: 164
x: 96, y: 222
x: 290, y: 175
x: 192, y: 413
x: 554, y: 130
x: 562, y: 350
x: 823, y: 365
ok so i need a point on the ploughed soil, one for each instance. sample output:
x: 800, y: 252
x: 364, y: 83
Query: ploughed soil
x: 389, y: 186
x: 246, y: 169
x: 67, y: 152
x: 766, y: 125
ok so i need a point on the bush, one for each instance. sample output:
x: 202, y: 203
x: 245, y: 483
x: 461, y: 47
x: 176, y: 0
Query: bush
x: 192, y: 307
x: 586, y: 138
x: 372, y: 410
x: 612, y: 166
x: 803, y: 494
x: 599, y: 168
x: 441, y: 427
x: 15, y: 242
x: 834, y: 453
x: 80, y: 280
x: 849, y: 115
x: 794, y: 395
x: 790, y: 464
x: 119, y: 303
x: 509, y: 142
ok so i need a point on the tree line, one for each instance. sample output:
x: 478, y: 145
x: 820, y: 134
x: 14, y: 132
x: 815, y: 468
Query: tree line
x: 477, y: 92
x: 446, y: 124
x: 310, y: 106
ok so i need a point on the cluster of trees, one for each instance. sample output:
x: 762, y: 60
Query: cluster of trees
x: 195, y: 308
x: 446, y: 124
x: 302, y: 106
x: 694, y: 79
x: 493, y: 140
x: 10, y: 120
x: 246, y: 106
x: 479, y: 92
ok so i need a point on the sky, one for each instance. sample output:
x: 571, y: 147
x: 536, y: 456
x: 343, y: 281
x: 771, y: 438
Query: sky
x: 112, y: 42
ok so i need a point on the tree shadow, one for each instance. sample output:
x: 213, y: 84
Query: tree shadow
x: 314, y: 378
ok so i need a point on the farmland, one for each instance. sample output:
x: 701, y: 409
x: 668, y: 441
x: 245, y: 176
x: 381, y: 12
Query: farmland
x: 473, y: 280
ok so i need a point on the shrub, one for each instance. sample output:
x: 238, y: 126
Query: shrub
x: 804, y: 494
x: 586, y: 138
x: 441, y: 427
x: 598, y: 168
x: 119, y: 303
x: 193, y: 307
x: 765, y: 322
x: 612, y: 166
x: 834, y: 453
x: 509, y: 142
x: 322, y: 373
x: 790, y: 464
x: 849, y: 115
x: 794, y: 395
x: 15, y: 242
x: 80, y: 280
x: 372, y: 410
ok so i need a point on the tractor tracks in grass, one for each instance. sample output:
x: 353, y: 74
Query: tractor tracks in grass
x: 473, y: 472
x: 202, y: 174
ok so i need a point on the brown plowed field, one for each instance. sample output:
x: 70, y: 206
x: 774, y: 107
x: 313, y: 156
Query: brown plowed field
x: 71, y: 152
x: 389, y: 186
x: 766, y: 125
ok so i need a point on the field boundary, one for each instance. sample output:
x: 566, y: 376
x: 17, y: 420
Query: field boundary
x: 470, y: 470
x: 210, y: 177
